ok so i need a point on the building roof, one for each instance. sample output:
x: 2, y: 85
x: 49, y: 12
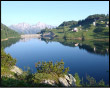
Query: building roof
x: 75, y: 28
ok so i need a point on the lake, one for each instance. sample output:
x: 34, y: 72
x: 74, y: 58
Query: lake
x: 84, y: 57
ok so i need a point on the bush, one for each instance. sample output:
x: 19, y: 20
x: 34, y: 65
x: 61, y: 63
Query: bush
x: 38, y: 77
x: 49, y: 67
x: 101, y: 83
x: 6, y: 60
x: 78, y: 80
x: 6, y: 63
x: 99, y: 29
x: 91, y: 80
x: 10, y: 82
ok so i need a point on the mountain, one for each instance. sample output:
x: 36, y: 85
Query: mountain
x: 30, y: 29
x: 7, y: 32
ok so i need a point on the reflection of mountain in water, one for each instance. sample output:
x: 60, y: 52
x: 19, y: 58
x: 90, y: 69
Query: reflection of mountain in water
x: 9, y: 42
x: 92, y: 46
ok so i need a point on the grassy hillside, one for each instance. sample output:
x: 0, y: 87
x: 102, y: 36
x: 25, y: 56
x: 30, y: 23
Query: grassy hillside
x: 7, y: 32
x: 86, y: 28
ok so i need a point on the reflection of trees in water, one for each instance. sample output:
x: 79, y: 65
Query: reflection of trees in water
x: 94, y: 50
x: 47, y: 40
x: 102, y: 47
x: 96, y: 47
x: 9, y: 42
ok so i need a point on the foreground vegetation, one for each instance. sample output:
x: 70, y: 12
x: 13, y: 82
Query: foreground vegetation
x: 6, y: 63
x: 45, y: 70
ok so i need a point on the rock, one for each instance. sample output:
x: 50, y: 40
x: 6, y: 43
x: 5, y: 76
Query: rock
x: 67, y: 81
x: 7, y: 75
x: 72, y: 80
x: 47, y: 81
x: 63, y: 82
x: 17, y: 70
x: 67, y: 77
x: 49, y: 34
x: 14, y: 69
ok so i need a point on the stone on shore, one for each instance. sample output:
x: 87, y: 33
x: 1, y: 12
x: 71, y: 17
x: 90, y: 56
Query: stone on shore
x: 67, y: 81
x: 16, y: 70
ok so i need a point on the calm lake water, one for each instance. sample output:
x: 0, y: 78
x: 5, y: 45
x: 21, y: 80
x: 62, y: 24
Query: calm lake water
x: 83, y: 57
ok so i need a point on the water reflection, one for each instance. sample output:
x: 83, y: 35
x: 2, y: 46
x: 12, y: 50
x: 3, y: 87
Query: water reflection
x: 29, y: 51
x: 92, y: 46
x: 27, y: 39
x: 9, y: 42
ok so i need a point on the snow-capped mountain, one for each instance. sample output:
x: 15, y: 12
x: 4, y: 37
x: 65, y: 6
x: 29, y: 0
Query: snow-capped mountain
x: 30, y: 29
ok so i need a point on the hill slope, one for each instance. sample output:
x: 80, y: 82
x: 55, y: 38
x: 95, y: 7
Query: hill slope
x: 7, y: 32
x: 93, y: 27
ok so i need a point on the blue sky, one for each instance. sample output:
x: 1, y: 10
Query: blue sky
x: 49, y: 12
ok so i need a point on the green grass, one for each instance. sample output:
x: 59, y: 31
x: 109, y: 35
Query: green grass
x: 38, y: 77
x: 89, y: 34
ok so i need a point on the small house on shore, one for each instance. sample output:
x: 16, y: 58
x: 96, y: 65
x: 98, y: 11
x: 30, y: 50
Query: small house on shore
x: 94, y: 23
x: 75, y: 29
x: 76, y: 44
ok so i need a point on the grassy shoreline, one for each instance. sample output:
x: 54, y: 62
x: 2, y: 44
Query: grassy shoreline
x: 8, y: 38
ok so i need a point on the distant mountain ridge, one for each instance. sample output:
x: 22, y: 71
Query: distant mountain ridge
x: 30, y: 29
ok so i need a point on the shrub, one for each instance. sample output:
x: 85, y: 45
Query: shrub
x: 78, y: 80
x: 6, y: 63
x: 91, y: 80
x: 49, y: 67
x: 99, y: 29
x: 10, y: 82
x: 101, y: 83
x: 6, y: 60
x: 38, y: 77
